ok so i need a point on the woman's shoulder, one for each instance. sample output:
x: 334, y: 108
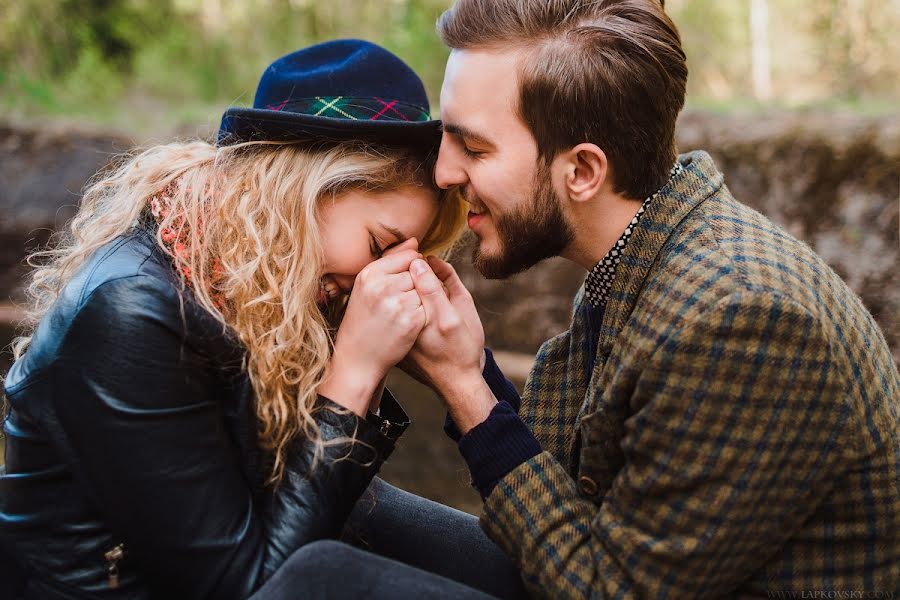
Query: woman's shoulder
x: 134, y: 256
x: 122, y: 279
x: 127, y: 295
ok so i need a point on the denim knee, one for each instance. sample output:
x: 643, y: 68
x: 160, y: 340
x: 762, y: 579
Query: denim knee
x: 322, y: 557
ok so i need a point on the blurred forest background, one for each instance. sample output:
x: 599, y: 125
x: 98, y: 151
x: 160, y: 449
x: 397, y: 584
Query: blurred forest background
x: 143, y: 66
x: 798, y: 101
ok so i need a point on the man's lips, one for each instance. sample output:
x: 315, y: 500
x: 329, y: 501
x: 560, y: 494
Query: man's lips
x: 477, y: 214
x: 474, y: 219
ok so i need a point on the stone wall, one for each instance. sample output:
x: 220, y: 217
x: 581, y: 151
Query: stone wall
x: 830, y: 180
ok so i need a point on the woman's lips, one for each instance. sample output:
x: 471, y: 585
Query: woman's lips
x: 329, y: 289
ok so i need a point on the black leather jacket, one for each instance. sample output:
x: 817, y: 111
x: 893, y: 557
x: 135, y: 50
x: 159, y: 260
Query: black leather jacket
x: 131, y: 448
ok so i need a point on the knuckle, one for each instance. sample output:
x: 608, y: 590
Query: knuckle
x: 362, y: 279
x: 448, y: 325
x: 408, y: 322
x: 390, y: 304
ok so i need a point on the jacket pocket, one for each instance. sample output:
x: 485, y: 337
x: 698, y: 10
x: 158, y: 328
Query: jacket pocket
x: 600, y: 456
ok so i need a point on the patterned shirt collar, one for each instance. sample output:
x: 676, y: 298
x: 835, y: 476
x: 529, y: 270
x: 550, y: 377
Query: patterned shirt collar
x: 600, y: 279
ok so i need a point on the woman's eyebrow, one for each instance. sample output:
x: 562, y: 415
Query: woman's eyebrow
x: 399, y: 235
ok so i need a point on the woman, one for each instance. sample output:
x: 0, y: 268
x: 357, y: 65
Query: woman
x: 184, y: 417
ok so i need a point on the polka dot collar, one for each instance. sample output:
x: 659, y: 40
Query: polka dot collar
x: 600, y: 279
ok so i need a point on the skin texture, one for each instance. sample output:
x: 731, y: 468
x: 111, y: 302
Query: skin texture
x: 370, y: 239
x: 489, y: 152
x: 358, y: 222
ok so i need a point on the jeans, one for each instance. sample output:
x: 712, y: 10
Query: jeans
x: 398, y: 545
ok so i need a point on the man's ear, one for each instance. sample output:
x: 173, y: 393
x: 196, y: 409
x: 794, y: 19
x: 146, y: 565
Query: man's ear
x: 584, y: 171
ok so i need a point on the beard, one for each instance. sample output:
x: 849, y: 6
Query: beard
x: 531, y: 233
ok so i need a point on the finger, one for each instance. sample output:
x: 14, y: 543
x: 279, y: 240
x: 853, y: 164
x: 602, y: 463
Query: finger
x: 410, y: 244
x: 410, y: 299
x: 401, y: 282
x: 389, y: 284
x: 394, y: 263
x: 448, y: 276
x: 430, y: 289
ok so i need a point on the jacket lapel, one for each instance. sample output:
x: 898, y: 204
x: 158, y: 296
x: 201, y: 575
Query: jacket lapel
x: 599, y: 424
x: 556, y: 387
x: 560, y: 390
x: 697, y: 181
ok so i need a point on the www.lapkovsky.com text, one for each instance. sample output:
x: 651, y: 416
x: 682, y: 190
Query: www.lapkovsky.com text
x: 830, y: 594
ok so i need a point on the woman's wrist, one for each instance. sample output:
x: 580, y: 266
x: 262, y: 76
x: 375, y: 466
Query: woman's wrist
x: 352, y: 386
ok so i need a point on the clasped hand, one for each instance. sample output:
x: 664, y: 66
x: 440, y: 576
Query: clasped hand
x: 406, y: 308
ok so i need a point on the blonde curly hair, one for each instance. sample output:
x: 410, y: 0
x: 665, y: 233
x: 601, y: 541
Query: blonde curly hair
x: 252, y: 209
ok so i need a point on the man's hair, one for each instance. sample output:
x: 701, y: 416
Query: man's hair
x: 608, y: 72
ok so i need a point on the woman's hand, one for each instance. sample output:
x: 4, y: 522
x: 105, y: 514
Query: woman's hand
x: 383, y: 319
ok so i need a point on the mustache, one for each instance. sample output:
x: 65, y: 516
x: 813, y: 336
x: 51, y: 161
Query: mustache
x: 469, y: 195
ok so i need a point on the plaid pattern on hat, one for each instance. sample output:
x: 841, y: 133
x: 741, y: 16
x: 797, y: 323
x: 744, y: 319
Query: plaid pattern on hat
x: 336, y: 91
x: 738, y: 436
x: 354, y: 108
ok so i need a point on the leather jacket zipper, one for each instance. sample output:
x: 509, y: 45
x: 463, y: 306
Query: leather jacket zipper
x: 112, y: 565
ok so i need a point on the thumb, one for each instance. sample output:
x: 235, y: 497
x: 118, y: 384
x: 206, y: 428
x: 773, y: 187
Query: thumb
x: 447, y: 274
x: 431, y: 291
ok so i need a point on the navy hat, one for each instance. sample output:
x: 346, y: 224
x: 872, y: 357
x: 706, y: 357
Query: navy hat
x: 339, y: 90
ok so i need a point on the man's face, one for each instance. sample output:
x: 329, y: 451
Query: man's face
x: 492, y: 156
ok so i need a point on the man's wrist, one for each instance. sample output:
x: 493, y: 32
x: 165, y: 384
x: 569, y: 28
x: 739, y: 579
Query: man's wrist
x: 469, y: 400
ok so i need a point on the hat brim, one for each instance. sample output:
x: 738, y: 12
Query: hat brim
x: 253, y: 124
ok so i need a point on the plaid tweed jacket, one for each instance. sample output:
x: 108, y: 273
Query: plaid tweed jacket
x: 737, y: 436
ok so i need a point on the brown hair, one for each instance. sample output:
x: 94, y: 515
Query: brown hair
x: 608, y: 72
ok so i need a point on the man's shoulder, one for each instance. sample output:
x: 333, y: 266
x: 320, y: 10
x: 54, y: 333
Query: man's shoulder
x: 725, y: 247
x: 725, y: 251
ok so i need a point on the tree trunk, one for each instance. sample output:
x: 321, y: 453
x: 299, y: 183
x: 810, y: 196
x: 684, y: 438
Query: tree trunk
x: 762, y: 64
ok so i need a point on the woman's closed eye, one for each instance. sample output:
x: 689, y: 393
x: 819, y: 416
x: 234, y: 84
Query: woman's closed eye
x: 376, y: 248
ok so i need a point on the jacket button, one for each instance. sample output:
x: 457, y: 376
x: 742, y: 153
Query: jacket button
x: 587, y: 485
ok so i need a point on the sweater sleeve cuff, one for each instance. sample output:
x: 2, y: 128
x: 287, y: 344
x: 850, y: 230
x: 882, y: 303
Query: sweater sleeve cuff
x: 502, y: 388
x: 495, y: 447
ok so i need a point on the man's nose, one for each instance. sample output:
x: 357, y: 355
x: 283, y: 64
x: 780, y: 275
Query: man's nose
x: 448, y: 171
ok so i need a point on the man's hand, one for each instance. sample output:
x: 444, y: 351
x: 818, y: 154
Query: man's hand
x: 462, y: 301
x: 449, y: 352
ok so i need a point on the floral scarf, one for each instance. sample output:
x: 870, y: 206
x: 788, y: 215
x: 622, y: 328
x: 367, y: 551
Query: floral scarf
x: 177, y: 239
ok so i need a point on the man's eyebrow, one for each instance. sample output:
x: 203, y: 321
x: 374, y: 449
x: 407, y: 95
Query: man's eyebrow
x: 399, y: 235
x: 466, y: 133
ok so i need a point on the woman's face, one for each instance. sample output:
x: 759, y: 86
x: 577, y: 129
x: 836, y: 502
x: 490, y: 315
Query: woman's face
x: 360, y: 225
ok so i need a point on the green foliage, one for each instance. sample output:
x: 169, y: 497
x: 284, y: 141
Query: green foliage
x: 141, y: 63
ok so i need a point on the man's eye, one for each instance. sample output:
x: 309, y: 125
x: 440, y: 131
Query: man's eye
x: 469, y: 152
x: 377, y: 250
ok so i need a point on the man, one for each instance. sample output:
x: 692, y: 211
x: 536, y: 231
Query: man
x: 721, y: 418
